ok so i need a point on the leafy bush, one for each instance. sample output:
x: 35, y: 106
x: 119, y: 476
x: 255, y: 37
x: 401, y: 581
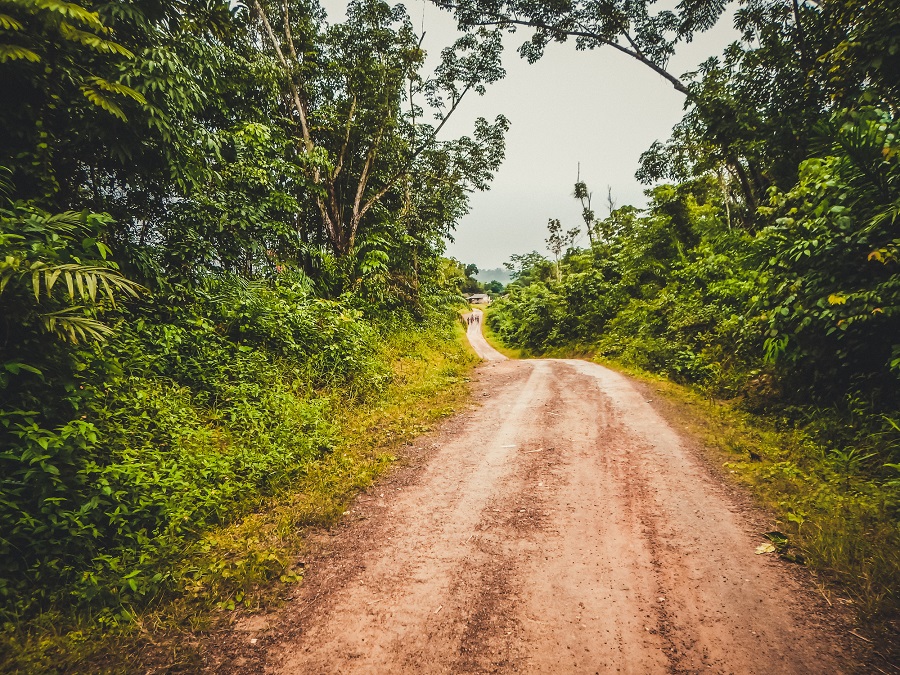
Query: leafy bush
x: 832, y: 300
x: 183, y: 419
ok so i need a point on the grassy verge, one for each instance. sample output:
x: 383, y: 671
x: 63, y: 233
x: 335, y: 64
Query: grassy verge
x: 494, y: 340
x: 833, y: 511
x: 830, y: 515
x: 252, y: 562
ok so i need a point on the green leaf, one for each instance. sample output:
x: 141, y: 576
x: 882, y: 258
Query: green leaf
x: 95, y: 42
x: 91, y: 282
x: 72, y: 11
x: 102, y: 101
x: 73, y: 325
x: 15, y: 367
x: 5, y: 278
x: 9, y: 23
x: 118, y: 88
x: 15, y: 53
x: 79, y: 282
x: 50, y: 277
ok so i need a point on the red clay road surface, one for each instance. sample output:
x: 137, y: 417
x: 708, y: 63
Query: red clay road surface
x: 562, y: 526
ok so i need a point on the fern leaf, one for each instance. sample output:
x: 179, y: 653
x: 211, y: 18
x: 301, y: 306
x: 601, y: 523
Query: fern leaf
x: 93, y: 41
x: 86, y: 280
x: 888, y: 214
x: 67, y: 221
x: 102, y: 101
x: 109, y: 293
x: 9, y: 23
x: 79, y: 283
x: 50, y: 277
x: 118, y: 88
x: 15, y: 53
x: 90, y: 281
x: 71, y: 324
x: 72, y: 11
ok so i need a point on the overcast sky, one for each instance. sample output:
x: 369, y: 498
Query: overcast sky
x: 600, y: 108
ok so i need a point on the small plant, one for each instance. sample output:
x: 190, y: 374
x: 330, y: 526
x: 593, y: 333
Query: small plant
x: 848, y: 461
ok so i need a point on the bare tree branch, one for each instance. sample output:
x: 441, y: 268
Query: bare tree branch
x: 295, y: 91
x: 633, y: 53
x: 340, y: 164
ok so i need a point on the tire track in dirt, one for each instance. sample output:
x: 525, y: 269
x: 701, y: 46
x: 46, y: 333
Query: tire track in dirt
x: 719, y: 603
x: 404, y: 594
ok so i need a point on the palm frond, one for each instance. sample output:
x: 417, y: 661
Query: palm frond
x: 74, y: 325
x: 82, y: 281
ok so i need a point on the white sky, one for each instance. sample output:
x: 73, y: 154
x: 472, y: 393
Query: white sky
x: 600, y: 108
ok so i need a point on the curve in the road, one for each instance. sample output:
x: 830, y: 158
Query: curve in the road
x: 475, y: 333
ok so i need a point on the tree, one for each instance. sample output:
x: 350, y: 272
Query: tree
x: 162, y: 161
x: 56, y: 57
x: 347, y: 96
x: 584, y: 196
x: 529, y: 267
x: 754, y: 113
x: 494, y: 287
x: 559, y: 242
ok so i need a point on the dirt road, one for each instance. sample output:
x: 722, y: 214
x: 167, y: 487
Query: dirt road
x: 563, y: 526
x: 476, y: 339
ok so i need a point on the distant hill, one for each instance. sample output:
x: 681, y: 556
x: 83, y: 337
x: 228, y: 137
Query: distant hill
x: 500, y: 274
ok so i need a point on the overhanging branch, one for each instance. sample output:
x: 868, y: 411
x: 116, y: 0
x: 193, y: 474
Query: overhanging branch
x: 633, y: 53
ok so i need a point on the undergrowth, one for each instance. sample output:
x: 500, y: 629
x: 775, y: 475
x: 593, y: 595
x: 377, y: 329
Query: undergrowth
x: 199, y: 468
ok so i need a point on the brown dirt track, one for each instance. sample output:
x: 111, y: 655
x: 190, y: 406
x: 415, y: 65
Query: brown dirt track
x: 562, y: 526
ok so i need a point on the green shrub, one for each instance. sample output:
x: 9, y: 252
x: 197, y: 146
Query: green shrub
x: 184, y: 419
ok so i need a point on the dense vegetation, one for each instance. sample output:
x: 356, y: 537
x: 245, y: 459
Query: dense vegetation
x: 217, y: 222
x: 222, y: 225
x: 765, y: 270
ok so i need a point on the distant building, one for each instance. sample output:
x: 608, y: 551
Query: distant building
x: 479, y: 299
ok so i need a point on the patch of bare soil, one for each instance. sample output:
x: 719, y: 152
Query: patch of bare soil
x: 563, y: 526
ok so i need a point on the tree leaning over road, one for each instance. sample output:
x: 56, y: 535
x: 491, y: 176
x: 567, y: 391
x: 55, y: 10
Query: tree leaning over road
x: 629, y: 27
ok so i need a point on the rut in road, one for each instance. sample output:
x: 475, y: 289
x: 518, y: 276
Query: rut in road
x: 563, y: 526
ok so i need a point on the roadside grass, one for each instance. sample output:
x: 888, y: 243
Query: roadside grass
x: 253, y: 562
x: 836, y: 519
x: 494, y: 340
x: 834, y: 511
